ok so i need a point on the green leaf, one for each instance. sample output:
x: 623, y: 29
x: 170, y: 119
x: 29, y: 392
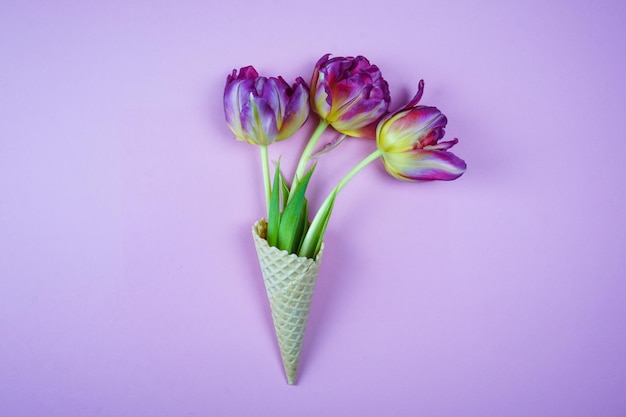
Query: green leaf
x: 319, y: 236
x: 285, y: 188
x: 314, y: 237
x: 292, y: 220
x: 273, y: 217
x: 302, y: 228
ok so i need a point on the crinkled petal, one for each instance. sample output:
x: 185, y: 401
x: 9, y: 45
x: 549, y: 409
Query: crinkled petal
x: 339, y: 85
x: 247, y: 73
x: 337, y: 68
x: 424, y: 165
x: 321, y: 62
x: 380, y: 90
x: 259, y: 121
x: 360, y: 63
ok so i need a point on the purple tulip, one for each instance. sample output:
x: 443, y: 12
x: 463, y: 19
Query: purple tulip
x: 409, y: 142
x: 350, y: 94
x: 262, y: 110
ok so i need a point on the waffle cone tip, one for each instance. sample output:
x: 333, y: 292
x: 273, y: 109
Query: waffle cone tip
x: 291, y: 379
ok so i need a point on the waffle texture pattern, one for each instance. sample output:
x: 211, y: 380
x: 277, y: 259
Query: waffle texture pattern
x: 289, y: 282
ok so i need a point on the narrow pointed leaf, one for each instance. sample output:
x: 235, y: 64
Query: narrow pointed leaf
x: 319, y: 236
x: 315, y: 235
x: 302, y: 228
x: 285, y: 188
x: 273, y: 217
x: 291, y: 219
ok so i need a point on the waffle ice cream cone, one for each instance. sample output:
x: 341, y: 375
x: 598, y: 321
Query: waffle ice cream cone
x: 289, y: 282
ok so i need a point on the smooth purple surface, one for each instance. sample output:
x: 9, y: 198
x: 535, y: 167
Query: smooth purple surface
x: 128, y: 279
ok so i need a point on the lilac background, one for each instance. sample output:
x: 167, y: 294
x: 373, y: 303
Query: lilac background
x: 129, y: 284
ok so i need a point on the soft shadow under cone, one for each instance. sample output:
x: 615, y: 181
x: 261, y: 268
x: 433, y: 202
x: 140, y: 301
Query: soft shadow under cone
x: 289, y: 282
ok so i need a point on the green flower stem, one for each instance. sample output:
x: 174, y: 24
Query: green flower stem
x: 365, y: 162
x: 265, y: 161
x: 315, y: 224
x: 306, y: 154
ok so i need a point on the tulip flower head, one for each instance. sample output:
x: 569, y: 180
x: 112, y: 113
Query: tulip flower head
x: 262, y: 110
x: 409, y: 142
x: 350, y: 94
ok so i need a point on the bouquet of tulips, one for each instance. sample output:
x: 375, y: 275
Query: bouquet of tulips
x: 349, y: 95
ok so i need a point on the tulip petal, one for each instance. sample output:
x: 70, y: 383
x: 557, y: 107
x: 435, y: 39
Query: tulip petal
x: 360, y: 63
x: 365, y: 132
x: 417, y: 97
x: 361, y: 118
x: 258, y: 121
x: 336, y: 68
x: 235, y: 95
x: 247, y: 73
x: 321, y: 100
x: 321, y: 62
x: 442, y: 146
x: 349, y: 93
x: 411, y: 129
x: 275, y: 92
x: 359, y: 100
x: 296, y: 112
x: 344, y: 96
x: 424, y: 165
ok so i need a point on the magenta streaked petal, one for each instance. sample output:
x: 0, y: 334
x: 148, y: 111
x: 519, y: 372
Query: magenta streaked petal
x: 322, y: 61
x: 419, y: 118
x: 336, y: 69
x: 441, y: 146
x: 258, y: 121
x: 411, y: 129
x: 364, y: 111
x: 364, y: 114
x: 418, y: 96
x: 365, y: 132
x: 360, y: 63
x: 296, y: 112
x: 424, y: 165
x: 431, y: 138
x: 344, y: 95
x: 248, y: 73
x: 349, y: 93
x: 360, y: 111
x: 380, y: 91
